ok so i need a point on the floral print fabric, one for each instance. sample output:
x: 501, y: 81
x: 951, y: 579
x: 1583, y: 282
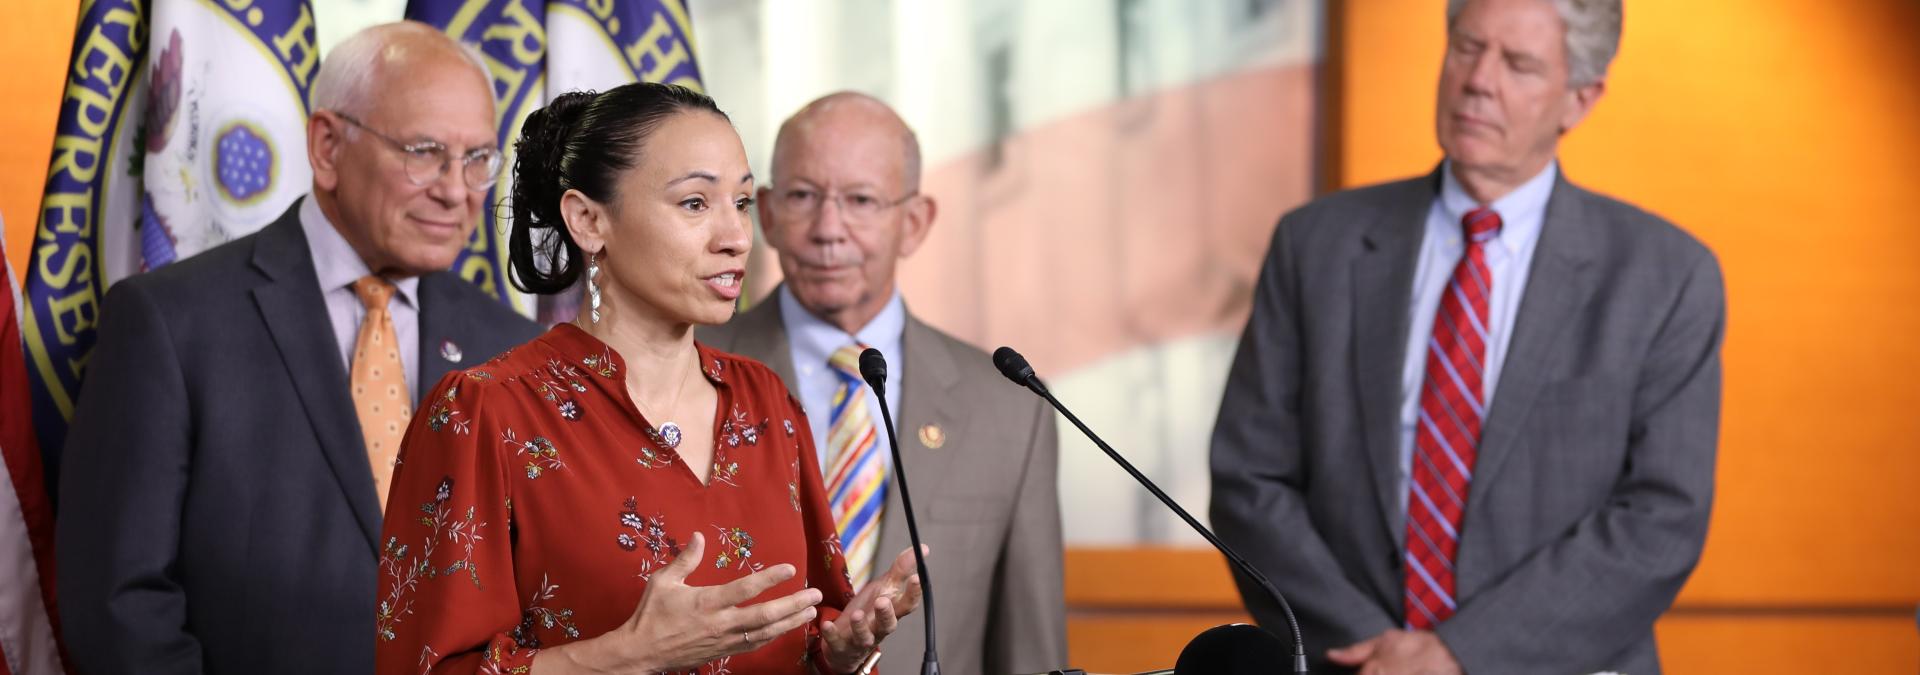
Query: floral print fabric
x: 532, y: 503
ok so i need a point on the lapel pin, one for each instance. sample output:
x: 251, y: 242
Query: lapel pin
x: 932, y: 437
x: 450, y: 351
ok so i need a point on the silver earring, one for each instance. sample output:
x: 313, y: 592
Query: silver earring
x: 593, y: 286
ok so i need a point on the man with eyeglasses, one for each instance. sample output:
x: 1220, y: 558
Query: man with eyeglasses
x: 243, y: 409
x: 844, y: 208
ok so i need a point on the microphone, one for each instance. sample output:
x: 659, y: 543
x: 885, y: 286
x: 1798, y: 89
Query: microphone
x: 1234, y: 649
x: 1014, y: 366
x: 873, y: 369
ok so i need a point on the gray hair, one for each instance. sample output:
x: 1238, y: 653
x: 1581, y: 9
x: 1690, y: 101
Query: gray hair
x: 346, y: 75
x: 1592, y: 35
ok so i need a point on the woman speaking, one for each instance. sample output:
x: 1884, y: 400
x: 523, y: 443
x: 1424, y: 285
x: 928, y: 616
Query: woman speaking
x: 613, y: 497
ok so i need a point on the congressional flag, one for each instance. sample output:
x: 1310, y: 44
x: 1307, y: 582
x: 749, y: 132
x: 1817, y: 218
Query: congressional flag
x: 537, y: 50
x: 511, y: 38
x: 600, y: 45
x: 183, y: 126
x: 27, y: 617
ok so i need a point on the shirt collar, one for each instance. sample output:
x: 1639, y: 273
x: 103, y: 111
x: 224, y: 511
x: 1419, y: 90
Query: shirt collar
x: 334, y: 260
x: 817, y: 340
x: 1521, y: 211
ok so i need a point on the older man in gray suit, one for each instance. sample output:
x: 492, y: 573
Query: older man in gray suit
x: 221, y: 500
x: 1471, y: 424
x: 844, y: 208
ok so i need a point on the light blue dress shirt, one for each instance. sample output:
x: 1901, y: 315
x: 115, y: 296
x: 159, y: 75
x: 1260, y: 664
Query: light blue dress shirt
x: 813, y: 341
x: 1509, y: 256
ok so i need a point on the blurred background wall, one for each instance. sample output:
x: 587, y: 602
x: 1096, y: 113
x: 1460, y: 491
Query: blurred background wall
x: 1109, y: 170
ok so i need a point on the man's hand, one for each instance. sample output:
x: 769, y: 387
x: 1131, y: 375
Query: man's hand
x: 1397, y: 652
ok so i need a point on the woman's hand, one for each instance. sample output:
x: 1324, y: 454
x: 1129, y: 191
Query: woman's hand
x: 680, y: 627
x: 873, y: 614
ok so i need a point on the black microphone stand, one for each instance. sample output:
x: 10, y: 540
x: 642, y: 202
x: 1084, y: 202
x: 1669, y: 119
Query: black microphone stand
x: 1015, y: 367
x: 873, y: 368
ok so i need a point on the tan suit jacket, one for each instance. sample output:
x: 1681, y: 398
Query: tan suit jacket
x: 987, y: 499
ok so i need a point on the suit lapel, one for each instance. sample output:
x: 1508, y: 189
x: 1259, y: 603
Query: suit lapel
x: 296, y: 316
x: 1382, y: 291
x: 439, y: 353
x: 1557, y: 285
x: 762, y: 331
x: 930, y: 375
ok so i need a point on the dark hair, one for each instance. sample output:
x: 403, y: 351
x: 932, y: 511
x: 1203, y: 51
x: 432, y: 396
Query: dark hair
x: 580, y: 141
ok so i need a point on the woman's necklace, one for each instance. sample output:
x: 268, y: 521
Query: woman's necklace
x: 668, y: 432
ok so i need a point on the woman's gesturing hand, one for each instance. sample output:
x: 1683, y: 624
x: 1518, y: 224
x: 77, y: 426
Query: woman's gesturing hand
x: 680, y: 627
x: 874, y: 614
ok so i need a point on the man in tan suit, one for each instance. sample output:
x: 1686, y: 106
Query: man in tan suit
x: 843, y: 209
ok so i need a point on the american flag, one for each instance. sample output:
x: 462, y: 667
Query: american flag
x: 27, y: 620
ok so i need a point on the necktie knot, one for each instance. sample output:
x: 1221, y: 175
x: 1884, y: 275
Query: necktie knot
x: 374, y: 291
x: 847, y: 360
x: 1481, y: 225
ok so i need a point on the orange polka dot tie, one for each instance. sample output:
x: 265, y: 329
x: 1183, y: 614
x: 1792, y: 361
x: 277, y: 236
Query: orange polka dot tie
x: 379, y: 383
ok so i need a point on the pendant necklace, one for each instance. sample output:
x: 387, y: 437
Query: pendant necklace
x: 668, y: 434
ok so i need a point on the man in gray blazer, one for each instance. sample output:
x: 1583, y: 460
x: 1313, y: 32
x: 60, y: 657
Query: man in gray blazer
x: 218, y: 508
x: 843, y: 209
x: 1471, y: 425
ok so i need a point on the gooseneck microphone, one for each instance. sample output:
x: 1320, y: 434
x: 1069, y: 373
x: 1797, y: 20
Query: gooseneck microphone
x: 1015, y: 367
x: 873, y: 368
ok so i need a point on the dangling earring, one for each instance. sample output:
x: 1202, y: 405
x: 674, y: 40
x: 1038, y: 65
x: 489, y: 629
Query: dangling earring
x: 593, y: 285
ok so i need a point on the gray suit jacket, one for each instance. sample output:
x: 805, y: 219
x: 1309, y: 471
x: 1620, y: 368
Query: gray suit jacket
x: 1589, y: 501
x: 987, y: 500
x: 217, y: 513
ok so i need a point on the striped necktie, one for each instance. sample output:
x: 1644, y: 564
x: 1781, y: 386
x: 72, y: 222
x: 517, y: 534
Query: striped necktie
x: 1447, y: 440
x: 856, y: 474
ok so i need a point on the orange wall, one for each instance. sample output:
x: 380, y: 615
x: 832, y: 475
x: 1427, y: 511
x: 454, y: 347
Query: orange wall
x: 35, y: 37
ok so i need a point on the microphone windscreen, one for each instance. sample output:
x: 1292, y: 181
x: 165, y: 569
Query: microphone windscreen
x: 873, y: 368
x: 1012, y: 365
x: 1233, y: 649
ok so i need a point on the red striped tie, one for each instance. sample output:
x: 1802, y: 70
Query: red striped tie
x: 1447, y: 435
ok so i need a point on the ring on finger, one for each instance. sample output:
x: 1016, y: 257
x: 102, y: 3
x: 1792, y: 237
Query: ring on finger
x: 747, y: 637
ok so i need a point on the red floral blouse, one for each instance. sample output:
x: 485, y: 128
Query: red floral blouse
x: 532, y: 501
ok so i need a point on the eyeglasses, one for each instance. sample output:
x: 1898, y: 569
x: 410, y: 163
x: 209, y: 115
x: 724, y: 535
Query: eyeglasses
x: 855, y: 205
x: 427, y: 161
